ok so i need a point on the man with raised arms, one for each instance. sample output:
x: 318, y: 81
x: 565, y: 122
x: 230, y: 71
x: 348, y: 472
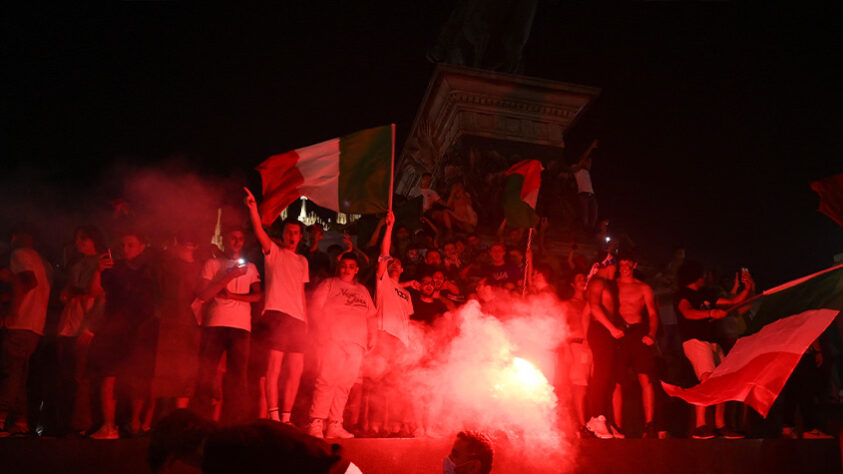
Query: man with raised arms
x: 636, y: 346
x: 284, y: 321
x: 385, y: 364
x: 603, y: 334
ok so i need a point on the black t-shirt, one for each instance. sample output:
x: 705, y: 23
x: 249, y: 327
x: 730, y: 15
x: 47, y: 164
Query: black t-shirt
x: 498, y: 275
x: 319, y: 264
x: 702, y: 299
x: 427, y: 312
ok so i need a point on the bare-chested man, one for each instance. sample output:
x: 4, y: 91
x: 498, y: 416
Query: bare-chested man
x: 603, y: 334
x: 636, y: 346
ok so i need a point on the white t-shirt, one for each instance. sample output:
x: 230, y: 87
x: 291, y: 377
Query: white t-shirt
x: 394, y: 308
x: 429, y: 197
x: 286, y: 274
x: 226, y: 312
x: 583, y: 178
x: 343, y: 310
x: 32, y: 311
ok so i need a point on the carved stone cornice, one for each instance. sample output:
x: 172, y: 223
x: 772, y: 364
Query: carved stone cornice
x: 462, y: 101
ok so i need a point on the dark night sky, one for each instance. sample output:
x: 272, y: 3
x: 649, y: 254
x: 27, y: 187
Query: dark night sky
x: 713, y: 119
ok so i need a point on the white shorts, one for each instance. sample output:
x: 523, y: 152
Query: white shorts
x: 703, y: 355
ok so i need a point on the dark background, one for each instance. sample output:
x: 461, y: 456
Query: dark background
x: 713, y: 119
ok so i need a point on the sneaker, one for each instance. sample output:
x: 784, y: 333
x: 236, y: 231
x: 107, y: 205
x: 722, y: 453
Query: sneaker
x: 816, y: 434
x: 585, y: 433
x: 105, y: 432
x: 702, y: 432
x: 597, y: 425
x: 650, y: 431
x: 729, y: 433
x: 336, y: 431
x: 315, y: 428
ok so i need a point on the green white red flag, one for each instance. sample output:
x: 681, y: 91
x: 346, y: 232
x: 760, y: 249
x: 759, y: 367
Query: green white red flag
x: 350, y: 174
x: 521, y: 192
x: 794, y: 315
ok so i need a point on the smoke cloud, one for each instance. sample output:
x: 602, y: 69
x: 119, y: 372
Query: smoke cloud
x: 159, y: 200
x: 490, y: 368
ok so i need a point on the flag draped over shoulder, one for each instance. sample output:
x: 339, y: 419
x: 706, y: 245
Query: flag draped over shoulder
x: 521, y: 191
x: 790, y: 317
x: 350, y: 174
x: 831, y: 197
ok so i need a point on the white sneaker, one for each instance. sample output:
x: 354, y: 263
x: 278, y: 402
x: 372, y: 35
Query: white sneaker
x: 105, y: 432
x: 597, y: 425
x: 315, y: 428
x: 336, y: 431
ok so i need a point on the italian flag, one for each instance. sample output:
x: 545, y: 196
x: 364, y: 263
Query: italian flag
x: 790, y: 317
x: 520, y: 193
x: 350, y: 174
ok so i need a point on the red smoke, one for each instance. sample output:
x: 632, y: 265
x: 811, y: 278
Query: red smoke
x: 484, y: 375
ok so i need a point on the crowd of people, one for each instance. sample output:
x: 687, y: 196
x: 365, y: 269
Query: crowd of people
x: 275, y: 324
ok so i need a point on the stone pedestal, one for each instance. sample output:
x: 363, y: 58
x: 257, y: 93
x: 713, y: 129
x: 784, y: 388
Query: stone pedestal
x: 474, y: 123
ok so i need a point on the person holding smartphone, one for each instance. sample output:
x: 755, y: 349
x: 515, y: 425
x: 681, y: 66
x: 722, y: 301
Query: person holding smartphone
x: 230, y: 284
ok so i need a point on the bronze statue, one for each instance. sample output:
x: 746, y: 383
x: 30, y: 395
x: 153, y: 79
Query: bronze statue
x: 486, y: 34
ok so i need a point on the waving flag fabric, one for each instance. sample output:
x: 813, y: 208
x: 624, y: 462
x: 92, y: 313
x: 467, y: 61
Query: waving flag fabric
x: 350, y: 174
x: 790, y: 317
x: 521, y: 191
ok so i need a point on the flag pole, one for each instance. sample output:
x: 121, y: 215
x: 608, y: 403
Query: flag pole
x: 392, y: 168
x: 528, y: 261
x: 781, y: 287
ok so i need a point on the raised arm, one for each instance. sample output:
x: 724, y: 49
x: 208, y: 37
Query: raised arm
x: 257, y: 225
x: 587, y: 154
x: 748, y: 286
x: 373, y: 240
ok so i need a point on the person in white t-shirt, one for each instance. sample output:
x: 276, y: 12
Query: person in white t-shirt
x: 343, y: 316
x: 22, y: 328
x: 384, y: 365
x: 230, y: 285
x: 585, y: 190
x: 429, y: 196
x: 284, y: 319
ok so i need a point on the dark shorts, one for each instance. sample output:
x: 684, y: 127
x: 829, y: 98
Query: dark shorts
x: 634, y: 354
x: 282, y: 332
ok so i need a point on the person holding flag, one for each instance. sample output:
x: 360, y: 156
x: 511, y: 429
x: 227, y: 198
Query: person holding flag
x: 786, y: 321
x: 698, y: 307
x: 284, y: 320
x: 350, y: 174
